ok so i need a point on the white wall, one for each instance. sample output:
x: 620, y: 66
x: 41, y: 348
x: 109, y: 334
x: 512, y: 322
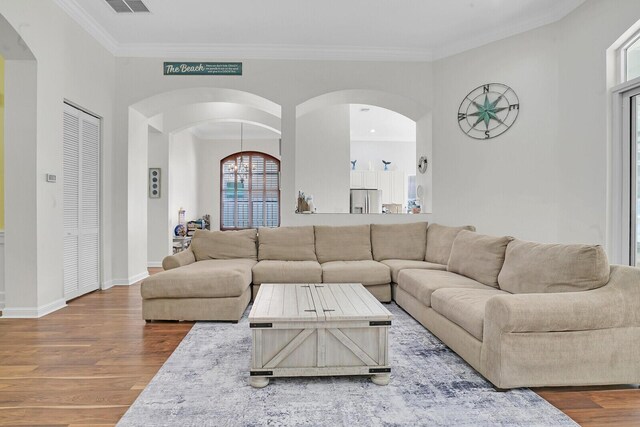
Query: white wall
x: 183, y: 176
x: 322, y: 158
x: 287, y: 83
x: 544, y: 179
x: 136, y: 229
x: 401, y: 154
x: 70, y: 65
x: 209, y: 154
x: 158, y: 228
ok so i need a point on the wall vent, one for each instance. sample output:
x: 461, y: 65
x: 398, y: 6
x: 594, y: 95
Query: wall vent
x: 128, y: 6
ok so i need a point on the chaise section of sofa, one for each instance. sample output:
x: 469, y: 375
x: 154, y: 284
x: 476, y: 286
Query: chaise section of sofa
x: 209, y: 281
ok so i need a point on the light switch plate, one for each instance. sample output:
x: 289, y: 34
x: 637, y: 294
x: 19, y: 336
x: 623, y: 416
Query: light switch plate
x: 51, y: 178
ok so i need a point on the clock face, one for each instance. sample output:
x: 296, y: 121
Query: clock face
x: 488, y: 111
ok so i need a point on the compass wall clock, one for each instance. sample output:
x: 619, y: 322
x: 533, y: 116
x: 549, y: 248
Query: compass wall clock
x: 488, y: 111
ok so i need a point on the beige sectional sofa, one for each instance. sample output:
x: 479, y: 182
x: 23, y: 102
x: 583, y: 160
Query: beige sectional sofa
x: 521, y: 313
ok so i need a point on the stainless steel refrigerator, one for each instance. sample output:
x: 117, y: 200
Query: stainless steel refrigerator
x: 366, y: 201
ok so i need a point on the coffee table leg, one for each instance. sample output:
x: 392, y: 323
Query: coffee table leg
x: 259, y: 382
x: 381, y: 379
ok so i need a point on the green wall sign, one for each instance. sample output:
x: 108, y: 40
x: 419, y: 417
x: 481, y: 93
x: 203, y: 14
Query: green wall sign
x: 202, y: 68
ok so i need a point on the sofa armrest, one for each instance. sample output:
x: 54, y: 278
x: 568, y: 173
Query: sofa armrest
x: 185, y: 257
x: 616, y: 304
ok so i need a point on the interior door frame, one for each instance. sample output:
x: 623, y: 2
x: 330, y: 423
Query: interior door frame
x: 101, y: 283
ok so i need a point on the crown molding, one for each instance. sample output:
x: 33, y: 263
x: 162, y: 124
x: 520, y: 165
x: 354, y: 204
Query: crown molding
x: 561, y: 10
x: 301, y: 52
x: 90, y: 25
x: 262, y: 51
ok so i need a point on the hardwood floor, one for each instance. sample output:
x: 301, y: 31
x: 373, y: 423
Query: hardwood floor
x: 84, y: 364
x: 87, y: 363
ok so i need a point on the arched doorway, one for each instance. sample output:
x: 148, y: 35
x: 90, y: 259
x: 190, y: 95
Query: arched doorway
x: 330, y: 133
x: 177, y: 119
x: 19, y: 287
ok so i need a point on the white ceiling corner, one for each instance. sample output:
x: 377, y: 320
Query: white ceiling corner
x: 89, y: 24
x: 360, y: 43
x: 558, y: 12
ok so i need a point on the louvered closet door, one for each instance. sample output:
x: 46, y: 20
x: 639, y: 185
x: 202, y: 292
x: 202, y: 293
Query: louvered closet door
x: 81, y: 170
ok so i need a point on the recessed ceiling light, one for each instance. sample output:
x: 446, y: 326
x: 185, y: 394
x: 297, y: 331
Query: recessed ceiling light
x: 372, y: 131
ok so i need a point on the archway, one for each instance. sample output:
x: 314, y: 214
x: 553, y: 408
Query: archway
x: 160, y: 122
x: 19, y: 288
x: 328, y: 119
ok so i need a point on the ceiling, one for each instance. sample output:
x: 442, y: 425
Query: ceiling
x: 388, y: 126
x: 231, y: 131
x: 370, y: 123
x: 414, y: 30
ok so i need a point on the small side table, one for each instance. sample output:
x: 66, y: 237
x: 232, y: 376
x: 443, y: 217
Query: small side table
x: 181, y: 243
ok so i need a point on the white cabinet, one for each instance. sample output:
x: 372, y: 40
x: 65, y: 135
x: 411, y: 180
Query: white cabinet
x: 364, y: 179
x: 393, y: 184
x: 356, y: 179
x: 399, y: 188
x: 370, y: 180
x: 385, y: 184
x: 394, y: 187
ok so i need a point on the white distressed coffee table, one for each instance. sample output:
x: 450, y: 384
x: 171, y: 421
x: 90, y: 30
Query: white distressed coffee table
x: 318, y: 330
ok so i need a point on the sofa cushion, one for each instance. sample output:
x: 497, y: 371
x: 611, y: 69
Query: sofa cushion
x: 271, y: 271
x: 537, y: 268
x: 478, y: 256
x: 464, y: 307
x: 422, y: 283
x: 366, y: 272
x: 202, y: 279
x: 287, y: 244
x: 439, y: 241
x: 224, y: 244
x: 351, y: 243
x: 399, y: 241
x: 396, y: 265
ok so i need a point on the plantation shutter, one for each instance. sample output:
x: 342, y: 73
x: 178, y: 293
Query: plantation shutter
x: 250, y: 191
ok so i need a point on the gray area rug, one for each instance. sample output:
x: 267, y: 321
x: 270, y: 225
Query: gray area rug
x: 205, y: 383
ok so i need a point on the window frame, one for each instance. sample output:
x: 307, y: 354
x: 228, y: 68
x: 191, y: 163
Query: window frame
x: 624, y: 49
x: 235, y: 157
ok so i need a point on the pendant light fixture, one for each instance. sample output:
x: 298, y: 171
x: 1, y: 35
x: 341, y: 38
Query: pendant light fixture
x: 243, y: 168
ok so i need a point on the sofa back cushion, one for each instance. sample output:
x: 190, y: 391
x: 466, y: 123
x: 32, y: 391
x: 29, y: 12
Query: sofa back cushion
x: 224, y: 244
x: 399, y: 241
x: 540, y: 268
x: 440, y: 240
x: 478, y: 256
x: 351, y: 243
x: 287, y: 244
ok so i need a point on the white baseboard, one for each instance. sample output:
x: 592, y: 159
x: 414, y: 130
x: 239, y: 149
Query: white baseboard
x: 130, y: 281
x: 33, y: 312
x: 107, y: 285
x: 154, y: 264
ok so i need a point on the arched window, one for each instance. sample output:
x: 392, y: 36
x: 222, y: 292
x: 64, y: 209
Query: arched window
x: 250, y: 191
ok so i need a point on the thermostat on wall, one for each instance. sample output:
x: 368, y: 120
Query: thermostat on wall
x: 51, y: 178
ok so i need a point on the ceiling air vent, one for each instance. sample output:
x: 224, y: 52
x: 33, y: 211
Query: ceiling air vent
x: 127, y: 6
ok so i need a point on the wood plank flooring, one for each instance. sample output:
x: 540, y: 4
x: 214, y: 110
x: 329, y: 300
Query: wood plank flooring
x: 86, y: 364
